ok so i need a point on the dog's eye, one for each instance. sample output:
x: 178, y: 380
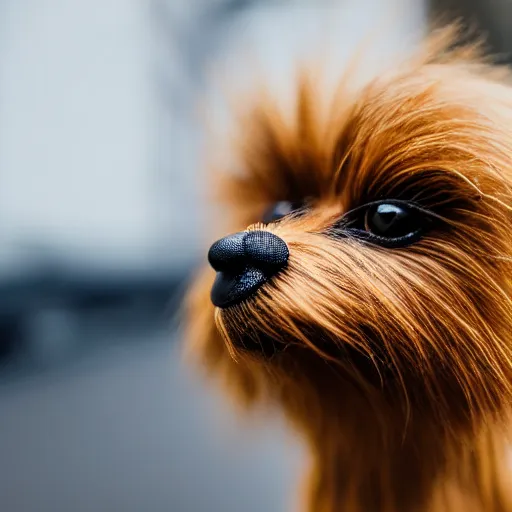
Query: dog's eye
x: 281, y: 209
x: 389, y: 223
x: 390, y: 220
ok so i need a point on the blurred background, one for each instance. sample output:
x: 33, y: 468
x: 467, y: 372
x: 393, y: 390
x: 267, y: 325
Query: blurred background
x: 101, y: 226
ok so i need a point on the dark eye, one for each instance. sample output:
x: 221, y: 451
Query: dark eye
x: 390, y: 223
x: 281, y: 209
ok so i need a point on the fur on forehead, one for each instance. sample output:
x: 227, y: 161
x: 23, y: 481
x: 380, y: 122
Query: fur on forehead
x: 419, y: 128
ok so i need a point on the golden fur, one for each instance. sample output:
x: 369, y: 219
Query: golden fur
x: 394, y: 364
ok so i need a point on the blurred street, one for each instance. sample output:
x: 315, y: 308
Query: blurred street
x: 125, y: 428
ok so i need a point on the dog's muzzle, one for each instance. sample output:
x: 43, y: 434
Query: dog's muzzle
x: 244, y: 261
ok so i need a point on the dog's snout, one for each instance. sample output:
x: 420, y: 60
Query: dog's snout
x: 256, y: 248
x: 244, y: 261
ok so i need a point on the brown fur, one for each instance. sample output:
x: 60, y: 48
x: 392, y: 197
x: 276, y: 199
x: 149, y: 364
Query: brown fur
x: 394, y: 364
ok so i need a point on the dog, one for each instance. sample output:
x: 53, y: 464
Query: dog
x: 364, y: 282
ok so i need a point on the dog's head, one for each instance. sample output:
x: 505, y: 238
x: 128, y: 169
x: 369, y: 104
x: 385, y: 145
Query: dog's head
x: 369, y: 263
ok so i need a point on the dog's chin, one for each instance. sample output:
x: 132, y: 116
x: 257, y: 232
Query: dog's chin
x: 259, y: 345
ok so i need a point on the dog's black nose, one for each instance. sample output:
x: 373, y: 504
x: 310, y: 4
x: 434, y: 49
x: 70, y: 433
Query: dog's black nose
x: 260, y: 249
x: 244, y: 261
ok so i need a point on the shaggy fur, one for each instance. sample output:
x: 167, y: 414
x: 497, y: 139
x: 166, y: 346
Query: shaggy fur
x: 395, y: 364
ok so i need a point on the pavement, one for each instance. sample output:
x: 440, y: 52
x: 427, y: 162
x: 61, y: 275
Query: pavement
x: 127, y: 427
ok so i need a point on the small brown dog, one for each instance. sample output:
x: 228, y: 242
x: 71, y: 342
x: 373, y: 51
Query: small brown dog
x: 368, y: 289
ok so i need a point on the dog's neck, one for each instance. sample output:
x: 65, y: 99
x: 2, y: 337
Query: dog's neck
x: 358, y: 472
x: 358, y: 466
x: 416, y: 474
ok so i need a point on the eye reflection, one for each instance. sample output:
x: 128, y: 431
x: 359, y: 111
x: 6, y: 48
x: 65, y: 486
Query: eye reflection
x: 388, y: 223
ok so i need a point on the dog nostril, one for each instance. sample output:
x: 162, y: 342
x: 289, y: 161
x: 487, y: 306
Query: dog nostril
x: 227, y: 252
x: 260, y: 249
x: 244, y: 261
